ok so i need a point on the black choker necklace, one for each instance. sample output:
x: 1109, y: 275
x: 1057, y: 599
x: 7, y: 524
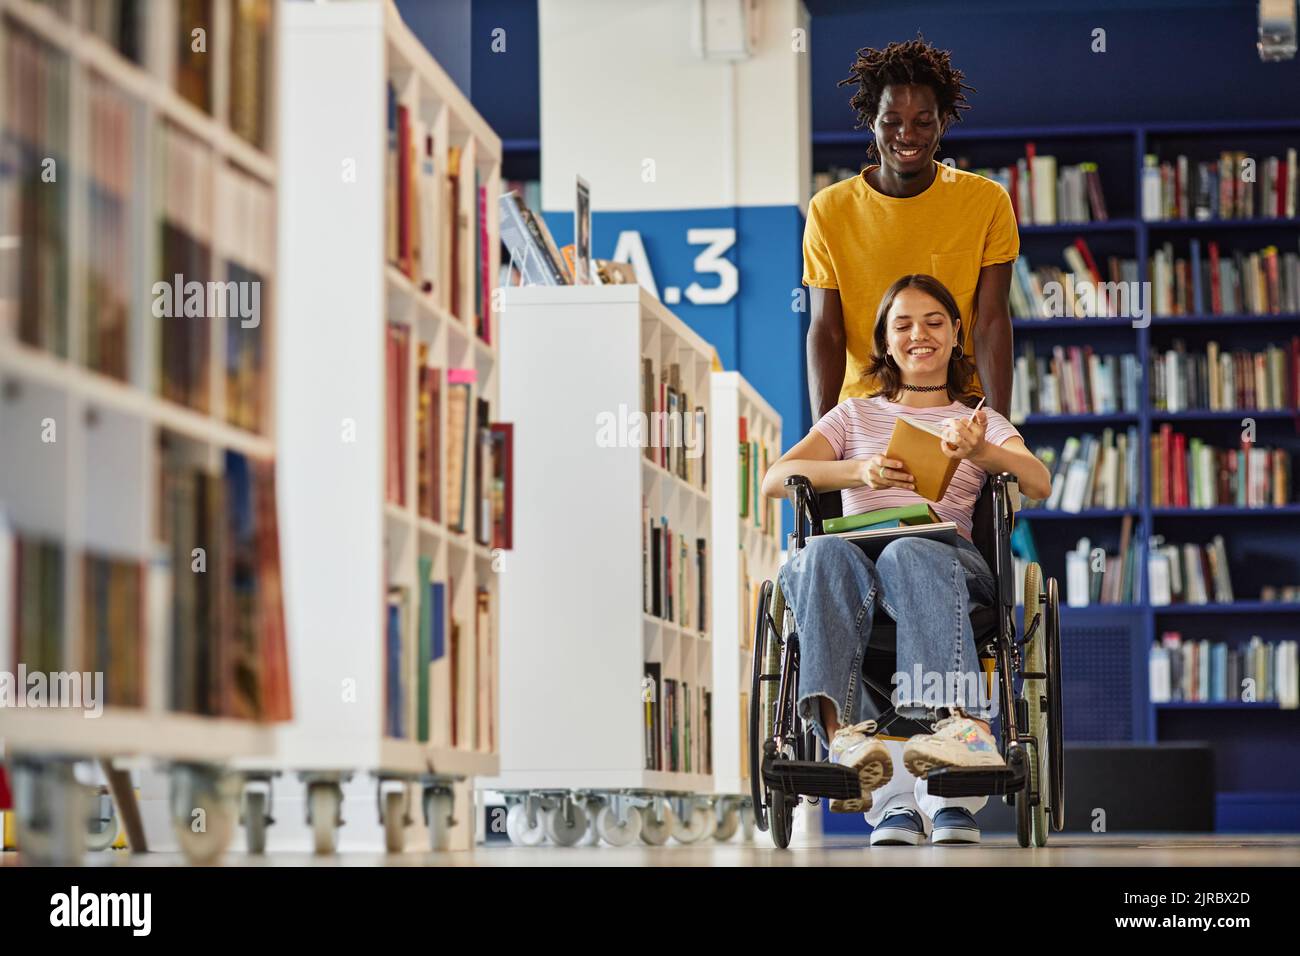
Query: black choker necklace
x: 923, y: 388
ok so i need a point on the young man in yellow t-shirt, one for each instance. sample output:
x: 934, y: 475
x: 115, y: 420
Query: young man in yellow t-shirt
x: 907, y: 214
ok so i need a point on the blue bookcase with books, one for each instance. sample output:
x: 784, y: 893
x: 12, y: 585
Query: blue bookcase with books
x: 1210, y: 328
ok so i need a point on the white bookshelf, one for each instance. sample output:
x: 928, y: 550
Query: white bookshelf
x: 94, y: 489
x: 744, y: 555
x: 575, y: 637
x: 344, y: 542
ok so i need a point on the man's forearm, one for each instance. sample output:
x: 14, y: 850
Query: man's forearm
x: 994, y: 361
x: 826, y: 359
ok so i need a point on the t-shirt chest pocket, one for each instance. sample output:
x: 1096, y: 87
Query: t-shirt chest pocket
x: 959, y: 271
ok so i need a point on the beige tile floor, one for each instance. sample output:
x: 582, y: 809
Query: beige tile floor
x: 1064, y: 850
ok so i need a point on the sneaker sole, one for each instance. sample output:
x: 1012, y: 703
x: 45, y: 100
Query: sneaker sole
x: 875, y: 772
x: 920, y: 764
x: 953, y: 836
x: 897, y: 838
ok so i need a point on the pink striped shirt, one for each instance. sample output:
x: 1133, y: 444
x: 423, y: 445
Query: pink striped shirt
x: 861, y: 427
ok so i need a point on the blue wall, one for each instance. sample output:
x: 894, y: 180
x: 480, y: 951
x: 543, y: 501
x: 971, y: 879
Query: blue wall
x: 1031, y: 63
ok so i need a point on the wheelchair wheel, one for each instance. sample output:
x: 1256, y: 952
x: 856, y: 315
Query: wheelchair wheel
x: 1033, y: 691
x: 1055, y: 721
x: 758, y: 733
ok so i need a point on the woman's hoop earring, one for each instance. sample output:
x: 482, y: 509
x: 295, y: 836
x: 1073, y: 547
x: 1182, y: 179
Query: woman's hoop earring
x: 889, y: 359
x: 957, y: 352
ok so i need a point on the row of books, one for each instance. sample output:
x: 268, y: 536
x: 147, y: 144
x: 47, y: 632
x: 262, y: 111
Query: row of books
x: 1237, y: 186
x: 678, y: 724
x: 1092, y: 472
x: 438, y: 680
x: 1188, y: 573
x: 112, y: 625
x: 677, y: 426
x: 1093, y: 575
x: 228, y: 653
x: 1073, y: 381
x: 32, y: 211
x: 430, y: 230
x: 1220, y: 380
x: 674, y: 573
x: 184, y: 328
x: 1216, y: 672
x: 475, y: 490
x: 1266, y: 282
x: 754, y: 456
x: 108, y: 286
x: 1187, y: 472
x: 1077, y: 291
x: 248, y: 222
x: 1045, y: 193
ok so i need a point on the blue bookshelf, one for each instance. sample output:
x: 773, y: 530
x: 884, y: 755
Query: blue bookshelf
x: 1105, y: 646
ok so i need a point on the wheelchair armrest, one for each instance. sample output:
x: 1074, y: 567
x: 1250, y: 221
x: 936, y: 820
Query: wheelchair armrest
x: 803, y: 498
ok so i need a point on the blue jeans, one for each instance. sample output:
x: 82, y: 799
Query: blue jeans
x: 926, y: 586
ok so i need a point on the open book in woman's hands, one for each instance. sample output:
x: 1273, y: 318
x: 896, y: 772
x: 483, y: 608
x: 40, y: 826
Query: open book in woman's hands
x: 916, y: 444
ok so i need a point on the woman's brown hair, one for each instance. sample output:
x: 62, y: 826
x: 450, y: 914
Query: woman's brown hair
x: 889, y: 379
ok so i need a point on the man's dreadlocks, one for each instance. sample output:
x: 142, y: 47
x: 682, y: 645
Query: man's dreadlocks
x: 913, y: 61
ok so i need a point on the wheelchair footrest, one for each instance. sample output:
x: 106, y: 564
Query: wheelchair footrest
x: 812, y: 778
x: 982, y: 782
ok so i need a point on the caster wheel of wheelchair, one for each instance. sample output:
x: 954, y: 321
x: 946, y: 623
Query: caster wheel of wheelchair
x: 1018, y: 756
x: 780, y: 818
x: 656, y: 832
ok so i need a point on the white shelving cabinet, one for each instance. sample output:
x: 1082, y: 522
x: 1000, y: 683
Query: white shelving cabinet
x: 345, y: 543
x: 80, y: 461
x: 575, y: 637
x: 745, y: 553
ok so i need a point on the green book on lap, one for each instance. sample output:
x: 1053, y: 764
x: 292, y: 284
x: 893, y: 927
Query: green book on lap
x: 919, y: 513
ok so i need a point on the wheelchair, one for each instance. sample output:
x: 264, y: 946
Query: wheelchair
x: 784, y: 761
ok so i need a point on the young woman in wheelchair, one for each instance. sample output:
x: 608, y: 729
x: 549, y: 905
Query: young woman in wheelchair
x: 926, y: 586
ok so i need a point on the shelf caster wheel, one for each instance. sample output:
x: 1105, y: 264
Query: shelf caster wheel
x: 728, y: 822
x: 519, y: 830
x: 655, y: 832
x: 324, y: 813
x: 49, y: 806
x: 696, y: 826
x: 256, y: 819
x: 618, y: 834
x: 747, y: 823
x: 395, y: 820
x: 203, y: 813
x: 438, y: 807
x: 566, y: 824
x: 102, y: 825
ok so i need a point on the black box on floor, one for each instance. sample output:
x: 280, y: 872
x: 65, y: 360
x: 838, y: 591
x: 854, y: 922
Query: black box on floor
x: 1129, y: 788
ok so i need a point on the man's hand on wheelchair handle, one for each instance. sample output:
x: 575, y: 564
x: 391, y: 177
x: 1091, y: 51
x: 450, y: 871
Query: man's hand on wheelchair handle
x: 879, y: 472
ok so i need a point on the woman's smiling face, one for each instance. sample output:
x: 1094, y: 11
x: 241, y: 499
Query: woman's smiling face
x: 920, y: 335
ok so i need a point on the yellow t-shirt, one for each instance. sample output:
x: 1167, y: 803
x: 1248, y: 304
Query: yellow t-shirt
x: 860, y: 241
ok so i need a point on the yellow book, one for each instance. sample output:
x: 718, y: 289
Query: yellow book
x: 916, y: 444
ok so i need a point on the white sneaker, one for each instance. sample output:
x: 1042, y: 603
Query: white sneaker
x: 852, y: 747
x: 957, y: 741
